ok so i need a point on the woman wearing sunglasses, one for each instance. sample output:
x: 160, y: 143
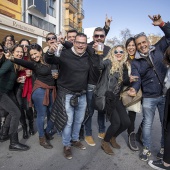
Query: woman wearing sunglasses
x: 114, y: 69
x: 44, y: 90
x: 8, y: 76
x: 23, y: 93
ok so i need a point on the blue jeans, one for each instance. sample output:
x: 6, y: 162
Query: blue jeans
x: 75, y: 119
x: 149, y: 107
x: 42, y: 110
x: 101, y: 115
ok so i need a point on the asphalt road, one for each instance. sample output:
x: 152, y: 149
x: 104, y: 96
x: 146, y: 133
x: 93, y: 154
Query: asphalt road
x: 93, y: 158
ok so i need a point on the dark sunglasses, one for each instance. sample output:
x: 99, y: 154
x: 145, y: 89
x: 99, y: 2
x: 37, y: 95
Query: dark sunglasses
x: 25, y: 46
x: 1, y: 50
x: 116, y: 52
x: 97, y: 36
x: 139, y: 35
x: 51, y: 38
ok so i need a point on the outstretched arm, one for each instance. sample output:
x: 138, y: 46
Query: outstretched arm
x: 107, y: 24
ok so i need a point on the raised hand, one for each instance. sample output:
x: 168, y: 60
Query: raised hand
x: 108, y: 21
x: 157, y: 20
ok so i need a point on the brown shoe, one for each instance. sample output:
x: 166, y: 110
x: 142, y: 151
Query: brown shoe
x: 67, y: 152
x: 106, y: 147
x: 78, y: 145
x: 114, y: 143
x: 44, y: 143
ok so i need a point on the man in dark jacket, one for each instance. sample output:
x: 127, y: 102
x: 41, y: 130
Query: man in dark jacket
x: 149, y: 67
x: 94, y: 74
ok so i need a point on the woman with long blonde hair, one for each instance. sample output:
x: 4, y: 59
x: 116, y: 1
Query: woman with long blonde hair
x: 113, y: 67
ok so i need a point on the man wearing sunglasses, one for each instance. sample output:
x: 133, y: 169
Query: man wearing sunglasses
x: 149, y: 67
x: 51, y: 38
x: 94, y: 74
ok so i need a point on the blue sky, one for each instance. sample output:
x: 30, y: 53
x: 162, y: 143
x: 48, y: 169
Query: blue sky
x: 131, y: 14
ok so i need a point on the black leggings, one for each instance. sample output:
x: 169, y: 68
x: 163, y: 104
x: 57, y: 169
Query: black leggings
x: 12, y: 119
x: 132, y: 117
x: 166, y: 157
x: 119, y: 121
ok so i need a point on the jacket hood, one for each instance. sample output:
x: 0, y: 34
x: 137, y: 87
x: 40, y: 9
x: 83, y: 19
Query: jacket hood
x: 139, y: 55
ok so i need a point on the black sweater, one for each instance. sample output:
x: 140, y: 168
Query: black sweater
x: 73, y: 69
x: 42, y: 72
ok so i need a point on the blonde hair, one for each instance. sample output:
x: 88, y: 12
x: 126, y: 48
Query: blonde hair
x: 116, y: 66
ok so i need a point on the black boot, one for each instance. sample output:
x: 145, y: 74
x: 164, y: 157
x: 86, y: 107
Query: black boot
x: 15, y: 145
x: 30, y: 116
x: 25, y: 132
x: 4, y: 134
x: 132, y: 142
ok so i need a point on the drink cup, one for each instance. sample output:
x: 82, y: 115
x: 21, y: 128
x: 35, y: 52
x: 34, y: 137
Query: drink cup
x: 58, y: 51
x: 54, y: 72
x: 100, y: 49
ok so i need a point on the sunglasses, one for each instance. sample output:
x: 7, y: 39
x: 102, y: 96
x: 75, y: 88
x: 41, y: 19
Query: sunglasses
x: 1, y: 50
x: 25, y: 46
x: 116, y: 52
x: 51, y: 38
x: 97, y: 36
x: 139, y: 35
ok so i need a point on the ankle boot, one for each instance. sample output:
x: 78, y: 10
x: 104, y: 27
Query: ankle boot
x: 30, y: 117
x: 4, y: 134
x: 106, y: 147
x: 44, y: 143
x: 25, y: 132
x: 48, y: 136
x: 132, y: 142
x: 114, y: 143
x: 15, y: 145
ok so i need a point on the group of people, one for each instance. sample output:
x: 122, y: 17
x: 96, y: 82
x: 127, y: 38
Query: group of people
x: 65, y: 98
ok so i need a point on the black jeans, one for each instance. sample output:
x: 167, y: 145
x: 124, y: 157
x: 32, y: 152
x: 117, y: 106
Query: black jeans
x: 12, y: 120
x: 166, y: 157
x: 119, y: 120
x: 132, y: 117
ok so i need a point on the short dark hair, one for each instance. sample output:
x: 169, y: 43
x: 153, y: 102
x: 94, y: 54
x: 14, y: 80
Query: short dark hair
x: 4, y: 40
x: 50, y: 33
x: 129, y: 40
x: 72, y: 30
x: 99, y: 29
x: 80, y: 34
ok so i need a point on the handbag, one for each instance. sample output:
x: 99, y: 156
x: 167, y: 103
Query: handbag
x: 128, y: 100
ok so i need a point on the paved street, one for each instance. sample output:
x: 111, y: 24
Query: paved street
x: 93, y: 158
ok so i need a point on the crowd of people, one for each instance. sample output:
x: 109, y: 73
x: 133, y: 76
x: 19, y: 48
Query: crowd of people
x: 59, y: 89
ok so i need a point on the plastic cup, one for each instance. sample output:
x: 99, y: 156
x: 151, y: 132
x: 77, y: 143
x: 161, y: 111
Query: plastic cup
x: 58, y: 51
x: 100, y: 49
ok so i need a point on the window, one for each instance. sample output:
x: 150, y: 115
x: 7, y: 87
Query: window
x: 51, y: 7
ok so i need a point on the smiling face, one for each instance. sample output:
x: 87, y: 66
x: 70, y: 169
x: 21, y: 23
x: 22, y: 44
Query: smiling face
x: 119, y: 52
x: 35, y: 55
x: 142, y: 44
x: 99, y: 36
x: 9, y: 42
x: 131, y: 48
x: 71, y: 36
x: 18, y: 52
x: 80, y: 44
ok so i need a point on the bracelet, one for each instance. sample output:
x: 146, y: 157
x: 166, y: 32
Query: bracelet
x: 162, y: 24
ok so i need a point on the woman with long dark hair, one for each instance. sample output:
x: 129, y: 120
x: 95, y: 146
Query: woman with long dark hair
x: 8, y: 76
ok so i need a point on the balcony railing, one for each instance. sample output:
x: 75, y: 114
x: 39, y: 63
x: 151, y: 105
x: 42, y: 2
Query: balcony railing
x: 70, y: 24
x: 71, y: 3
